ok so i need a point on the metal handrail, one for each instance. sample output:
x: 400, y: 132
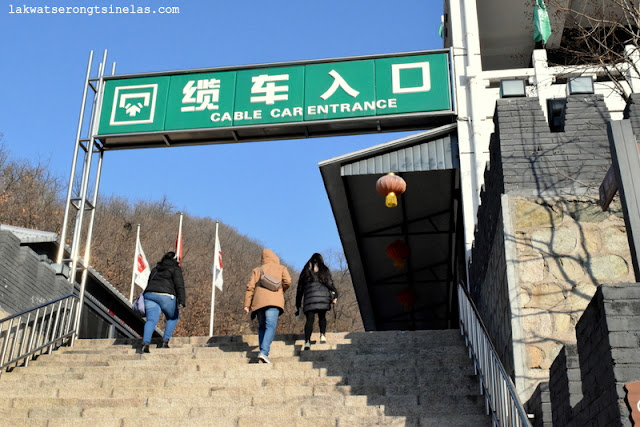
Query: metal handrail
x: 502, y: 401
x: 36, y: 331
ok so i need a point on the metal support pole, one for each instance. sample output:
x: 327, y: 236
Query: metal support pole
x: 63, y: 234
x: 87, y: 247
x: 83, y: 194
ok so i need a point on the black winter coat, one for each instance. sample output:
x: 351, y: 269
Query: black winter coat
x: 316, y: 295
x: 166, y: 278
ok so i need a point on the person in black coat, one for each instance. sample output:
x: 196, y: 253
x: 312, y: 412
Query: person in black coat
x: 164, y: 294
x: 316, y: 289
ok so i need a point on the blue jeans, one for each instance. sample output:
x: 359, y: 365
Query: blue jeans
x: 155, y: 304
x: 267, y: 322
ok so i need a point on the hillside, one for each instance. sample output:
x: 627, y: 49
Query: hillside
x: 30, y: 196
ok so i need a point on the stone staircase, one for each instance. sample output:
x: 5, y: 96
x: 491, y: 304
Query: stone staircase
x: 357, y: 379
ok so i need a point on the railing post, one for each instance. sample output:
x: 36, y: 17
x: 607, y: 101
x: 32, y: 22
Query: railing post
x: 39, y: 337
x: 48, y: 329
x: 68, y: 315
x: 55, y: 327
x: 32, y: 336
x: 5, y: 344
x: 14, y: 342
x: 72, y: 314
x: 24, y: 334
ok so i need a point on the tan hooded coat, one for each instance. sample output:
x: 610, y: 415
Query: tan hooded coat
x: 257, y: 297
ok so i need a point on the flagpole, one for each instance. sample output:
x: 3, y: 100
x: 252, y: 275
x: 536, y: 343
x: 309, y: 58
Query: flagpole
x: 213, y: 288
x: 133, y: 271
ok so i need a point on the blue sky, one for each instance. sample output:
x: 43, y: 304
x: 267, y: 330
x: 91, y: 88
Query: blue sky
x: 270, y: 191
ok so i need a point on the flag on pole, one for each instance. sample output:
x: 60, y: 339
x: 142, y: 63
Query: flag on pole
x: 541, y: 25
x: 141, y: 270
x: 217, y: 264
x: 179, y: 243
x: 217, y: 278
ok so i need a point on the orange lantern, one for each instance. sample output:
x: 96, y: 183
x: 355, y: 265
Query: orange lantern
x: 407, y: 298
x: 398, y: 251
x: 391, y: 186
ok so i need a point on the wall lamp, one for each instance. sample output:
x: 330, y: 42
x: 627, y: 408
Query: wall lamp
x: 512, y: 88
x: 580, y: 85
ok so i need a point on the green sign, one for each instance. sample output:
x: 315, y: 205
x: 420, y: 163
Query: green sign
x: 348, y: 89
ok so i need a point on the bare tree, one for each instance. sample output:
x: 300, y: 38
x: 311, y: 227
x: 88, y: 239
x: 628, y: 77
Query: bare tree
x: 29, y: 194
x: 598, y: 33
x: 347, y: 311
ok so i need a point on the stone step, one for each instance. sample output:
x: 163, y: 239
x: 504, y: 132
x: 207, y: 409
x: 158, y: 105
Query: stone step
x: 275, y: 346
x: 450, y: 337
x: 243, y: 421
x: 49, y: 390
x: 344, y: 421
x: 162, y: 407
x: 171, y: 355
x: 45, y: 386
x: 247, y: 374
x: 16, y: 420
x: 391, y: 375
x: 296, y: 349
x: 334, y: 366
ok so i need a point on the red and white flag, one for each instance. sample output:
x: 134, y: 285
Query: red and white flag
x: 141, y: 268
x: 217, y: 264
x: 216, y: 269
x: 179, y: 243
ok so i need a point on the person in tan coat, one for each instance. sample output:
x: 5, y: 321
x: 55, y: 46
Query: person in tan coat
x: 266, y: 304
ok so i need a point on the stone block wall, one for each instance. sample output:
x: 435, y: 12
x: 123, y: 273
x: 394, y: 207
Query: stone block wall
x: 565, y: 248
x: 538, y: 162
x: 493, y: 302
x: 25, y: 281
x: 632, y: 112
x: 565, y: 387
x: 488, y: 263
x: 538, y: 405
x: 543, y: 244
x: 587, y: 379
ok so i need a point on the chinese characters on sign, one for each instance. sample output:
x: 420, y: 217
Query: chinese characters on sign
x: 287, y: 94
x: 207, y: 93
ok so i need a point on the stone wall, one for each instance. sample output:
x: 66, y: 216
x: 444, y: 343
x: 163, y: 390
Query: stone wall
x: 587, y: 379
x: 538, y: 162
x: 566, y: 247
x: 493, y: 303
x: 543, y: 244
x: 488, y: 265
x: 26, y: 281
